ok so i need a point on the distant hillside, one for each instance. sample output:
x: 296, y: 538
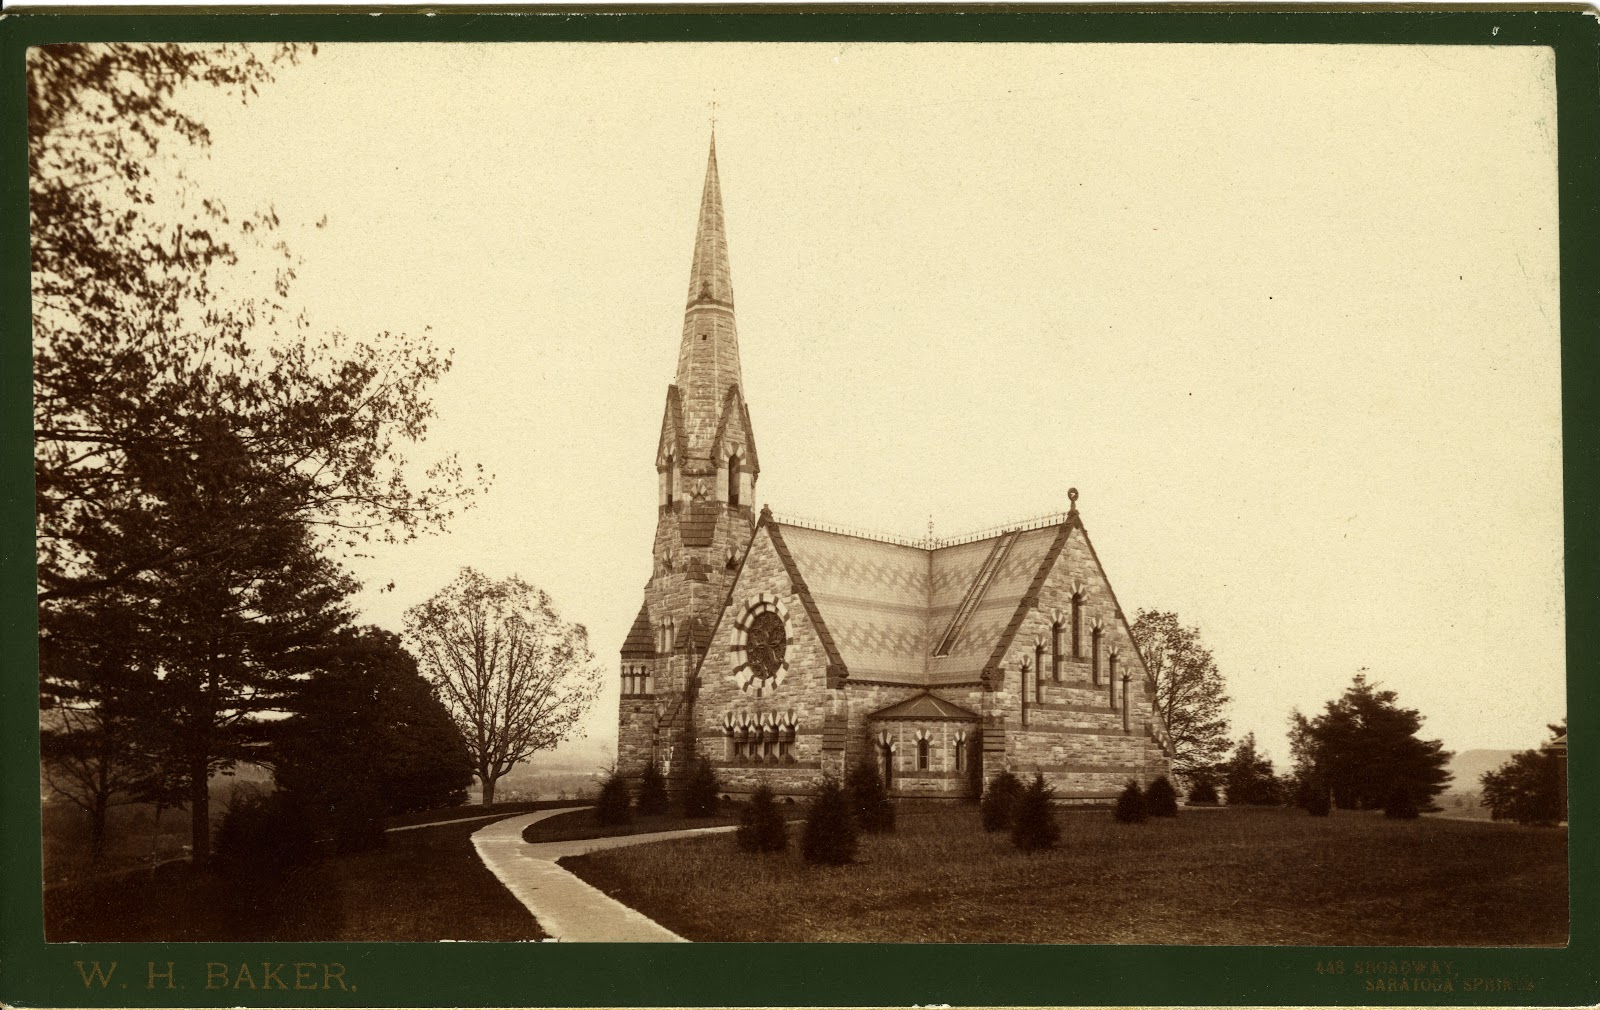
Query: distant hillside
x: 1469, y: 765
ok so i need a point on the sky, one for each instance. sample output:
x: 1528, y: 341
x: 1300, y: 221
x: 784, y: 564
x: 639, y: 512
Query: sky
x: 1286, y: 316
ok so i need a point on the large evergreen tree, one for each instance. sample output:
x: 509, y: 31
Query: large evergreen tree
x: 1527, y: 788
x: 1363, y: 747
x: 198, y: 454
x: 1190, y: 692
x: 368, y: 738
x: 1249, y: 777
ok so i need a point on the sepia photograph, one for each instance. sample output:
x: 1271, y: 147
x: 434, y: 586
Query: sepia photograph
x: 861, y: 492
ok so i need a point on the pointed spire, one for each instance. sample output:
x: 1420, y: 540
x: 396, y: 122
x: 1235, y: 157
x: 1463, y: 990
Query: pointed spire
x: 709, y: 278
x: 708, y: 357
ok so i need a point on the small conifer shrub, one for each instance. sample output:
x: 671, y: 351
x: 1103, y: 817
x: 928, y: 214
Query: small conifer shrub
x: 998, y: 799
x: 869, y: 800
x: 1130, y: 805
x: 1033, y: 822
x: 700, y: 792
x: 761, y: 825
x: 1400, y: 805
x: 652, y: 790
x: 830, y: 832
x: 1204, y: 794
x: 1160, y: 799
x: 1317, y: 801
x: 612, y: 806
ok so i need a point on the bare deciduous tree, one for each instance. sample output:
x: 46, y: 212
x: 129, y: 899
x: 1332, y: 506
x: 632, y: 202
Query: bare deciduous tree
x: 515, y: 675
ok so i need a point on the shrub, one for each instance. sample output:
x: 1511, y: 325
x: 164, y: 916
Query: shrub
x: 1130, y: 805
x: 652, y: 790
x: 1160, y: 799
x: 1033, y: 822
x: 998, y: 799
x: 264, y: 836
x: 700, y: 792
x: 1400, y: 805
x: 1317, y: 802
x: 612, y: 806
x: 869, y: 800
x: 761, y: 826
x: 830, y: 832
x: 1204, y: 794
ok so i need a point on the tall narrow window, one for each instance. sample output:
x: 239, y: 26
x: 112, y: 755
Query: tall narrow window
x: 922, y: 755
x: 672, y: 478
x: 1077, y: 626
x: 1111, y: 678
x: 961, y: 755
x: 1124, y: 703
x: 1038, y: 684
x: 1038, y: 657
x: 1094, y: 654
x: 733, y: 480
x: 1055, y: 651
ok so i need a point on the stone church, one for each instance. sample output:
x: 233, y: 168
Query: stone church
x: 784, y: 651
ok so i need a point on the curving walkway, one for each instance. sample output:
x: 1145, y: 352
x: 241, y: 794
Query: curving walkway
x: 566, y: 907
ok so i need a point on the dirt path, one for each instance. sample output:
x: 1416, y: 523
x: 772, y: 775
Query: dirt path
x: 566, y: 907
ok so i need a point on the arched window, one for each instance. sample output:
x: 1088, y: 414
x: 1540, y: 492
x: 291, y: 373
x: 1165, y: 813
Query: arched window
x: 672, y: 478
x: 1038, y: 655
x: 1111, y: 678
x: 888, y: 765
x: 1094, y: 654
x: 733, y: 480
x: 961, y: 755
x: 923, y: 749
x: 1077, y: 626
x: 1055, y: 651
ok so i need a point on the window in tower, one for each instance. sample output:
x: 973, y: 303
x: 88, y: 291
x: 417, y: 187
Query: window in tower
x: 672, y: 471
x: 1077, y: 626
x: 733, y: 480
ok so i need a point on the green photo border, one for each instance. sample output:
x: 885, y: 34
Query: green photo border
x: 33, y: 973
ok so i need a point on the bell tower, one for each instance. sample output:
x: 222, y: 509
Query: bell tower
x: 706, y: 471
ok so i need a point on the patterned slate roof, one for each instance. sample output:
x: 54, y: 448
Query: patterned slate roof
x: 699, y: 523
x: 885, y: 604
x: 640, y: 640
x: 925, y: 706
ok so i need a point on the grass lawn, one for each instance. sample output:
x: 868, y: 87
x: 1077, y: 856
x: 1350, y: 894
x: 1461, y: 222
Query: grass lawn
x: 584, y: 824
x: 1231, y: 876
x: 425, y: 884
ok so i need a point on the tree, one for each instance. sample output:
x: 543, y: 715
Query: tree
x: 1033, y: 821
x: 1248, y: 776
x: 1363, y: 746
x: 1161, y: 799
x: 700, y: 792
x: 612, y: 806
x: 197, y: 452
x: 1190, y: 692
x: 1130, y: 805
x: 999, y: 799
x: 652, y: 790
x: 868, y: 799
x: 368, y: 738
x: 515, y: 676
x: 1527, y: 788
x: 761, y: 826
x: 830, y: 831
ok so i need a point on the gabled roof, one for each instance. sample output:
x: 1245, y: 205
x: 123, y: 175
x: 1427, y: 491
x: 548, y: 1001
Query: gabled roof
x: 640, y: 640
x: 672, y: 423
x: 925, y: 706
x: 886, y: 604
x: 836, y: 663
x: 734, y: 401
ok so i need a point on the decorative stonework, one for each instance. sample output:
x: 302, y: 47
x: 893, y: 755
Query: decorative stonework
x: 761, y: 638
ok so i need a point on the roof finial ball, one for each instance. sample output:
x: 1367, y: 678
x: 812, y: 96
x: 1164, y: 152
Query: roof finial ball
x: 1072, y: 496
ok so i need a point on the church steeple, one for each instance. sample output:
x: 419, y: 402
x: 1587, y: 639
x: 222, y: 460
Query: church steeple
x: 708, y: 357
